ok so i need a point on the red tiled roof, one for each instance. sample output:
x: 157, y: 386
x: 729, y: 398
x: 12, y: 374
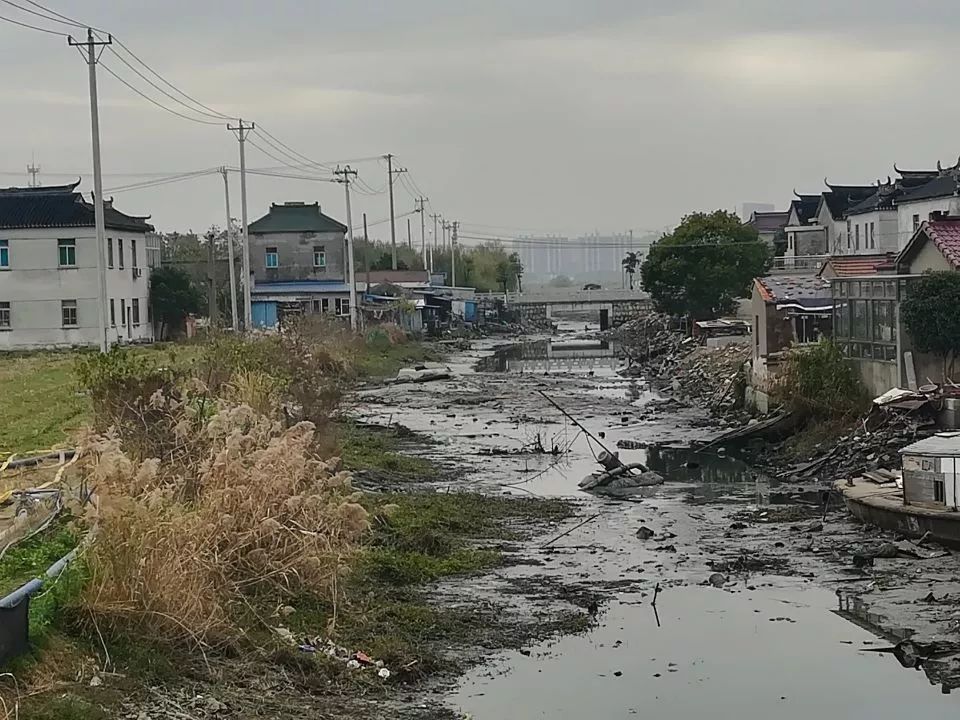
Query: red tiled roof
x: 858, y: 265
x: 763, y: 290
x: 945, y: 234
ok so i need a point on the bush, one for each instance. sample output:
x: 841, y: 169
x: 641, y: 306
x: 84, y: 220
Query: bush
x: 818, y: 381
x: 264, y: 518
x: 120, y: 384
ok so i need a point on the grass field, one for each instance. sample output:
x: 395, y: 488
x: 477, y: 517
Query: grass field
x: 41, y: 405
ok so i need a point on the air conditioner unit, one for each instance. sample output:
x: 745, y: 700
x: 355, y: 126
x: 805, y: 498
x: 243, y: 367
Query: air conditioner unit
x: 137, y: 272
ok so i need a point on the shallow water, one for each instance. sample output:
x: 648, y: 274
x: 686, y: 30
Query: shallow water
x: 759, y: 647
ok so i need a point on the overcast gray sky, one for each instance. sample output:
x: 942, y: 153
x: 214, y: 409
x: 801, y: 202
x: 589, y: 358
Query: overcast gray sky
x: 546, y: 115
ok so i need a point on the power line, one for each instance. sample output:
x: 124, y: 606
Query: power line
x: 33, y: 27
x: 157, y: 103
x: 61, y: 16
x: 162, y: 181
x: 161, y: 90
x: 42, y: 15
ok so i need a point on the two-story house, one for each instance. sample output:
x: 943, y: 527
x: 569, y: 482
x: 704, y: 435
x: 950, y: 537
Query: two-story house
x: 832, y: 210
x: 938, y: 194
x: 49, y: 282
x: 297, y: 259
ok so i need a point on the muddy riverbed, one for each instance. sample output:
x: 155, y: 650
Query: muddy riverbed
x: 762, y: 638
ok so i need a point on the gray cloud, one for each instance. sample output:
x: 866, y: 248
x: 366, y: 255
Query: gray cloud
x: 564, y: 115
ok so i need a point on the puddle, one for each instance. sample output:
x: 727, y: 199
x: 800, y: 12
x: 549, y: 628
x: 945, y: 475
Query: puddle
x: 557, y: 355
x: 775, y: 652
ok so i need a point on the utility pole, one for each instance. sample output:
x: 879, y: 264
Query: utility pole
x: 242, y: 130
x: 344, y: 175
x: 422, y: 209
x: 92, y: 58
x: 230, y: 249
x: 409, y: 235
x: 393, y: 225
x: 211, y: 281
x: 453, y: 254
x: 436, y: 237
x: 366, y: 249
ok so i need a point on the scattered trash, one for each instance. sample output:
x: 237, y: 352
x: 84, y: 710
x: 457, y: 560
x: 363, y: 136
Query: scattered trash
x: 645, y: 533
x: 96, y: 681
x: 383, y: 673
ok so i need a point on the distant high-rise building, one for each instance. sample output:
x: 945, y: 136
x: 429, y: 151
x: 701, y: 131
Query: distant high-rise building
x: 749, y: 208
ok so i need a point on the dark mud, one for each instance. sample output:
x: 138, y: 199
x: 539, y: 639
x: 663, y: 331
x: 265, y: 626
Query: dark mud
x: 746, y: 617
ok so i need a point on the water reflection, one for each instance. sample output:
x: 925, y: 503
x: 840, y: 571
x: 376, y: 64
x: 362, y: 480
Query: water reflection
x: 558, y: 355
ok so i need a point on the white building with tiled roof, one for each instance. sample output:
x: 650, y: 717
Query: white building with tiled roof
x: 49, y: 285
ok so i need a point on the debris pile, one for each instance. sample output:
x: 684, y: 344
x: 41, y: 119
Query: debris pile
x: 358, y: 660
x: 870, y: 448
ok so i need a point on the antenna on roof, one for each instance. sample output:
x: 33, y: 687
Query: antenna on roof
x: 33, y: 170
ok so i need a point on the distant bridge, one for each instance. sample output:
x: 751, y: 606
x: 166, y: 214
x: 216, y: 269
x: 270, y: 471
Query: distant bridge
x: 615, y: 306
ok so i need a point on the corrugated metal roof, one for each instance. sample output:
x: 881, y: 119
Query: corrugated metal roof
x: 299, y: 287
x: 940, y: 445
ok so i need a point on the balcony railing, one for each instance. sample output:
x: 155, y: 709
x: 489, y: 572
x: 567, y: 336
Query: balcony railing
x: 802, y: 264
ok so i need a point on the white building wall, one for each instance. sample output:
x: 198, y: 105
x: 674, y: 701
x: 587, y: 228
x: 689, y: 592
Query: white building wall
x: 922, y: 209
x: 884, y: 233
x: 35, y: 287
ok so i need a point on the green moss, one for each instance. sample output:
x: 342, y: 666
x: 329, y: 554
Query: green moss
x: 380, y: 359
x: 364, y: 448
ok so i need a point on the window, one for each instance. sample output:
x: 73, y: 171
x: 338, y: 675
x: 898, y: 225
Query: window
x: 873, y: 239
x: 68, y: 312
x: 319, y: 256
x: 938, y: 491
x: 272, y: 258
x: 790, y: 240
x: 343, y: 306
x: 4, y: 315
x: 68, y: 253
x: 149, y: 313
x: 123, y: 312
x: 133, y: 252
x: 4, y: 254
x: 110, y: 253
x: 849, y: 233
x: 856, y: 242
x: 916, y: 223
x: 120, y: 252
x: 325, y: 305
x: 113, y: 314
x: 135, y: 303
x: 316, y: 306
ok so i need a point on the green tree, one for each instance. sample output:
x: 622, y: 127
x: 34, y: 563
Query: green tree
x: 172, y: 296
x: 707, y: 262
x: 630, y: 264
x: 930, y: 312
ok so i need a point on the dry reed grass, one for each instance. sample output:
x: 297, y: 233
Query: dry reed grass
x: 252, y: 512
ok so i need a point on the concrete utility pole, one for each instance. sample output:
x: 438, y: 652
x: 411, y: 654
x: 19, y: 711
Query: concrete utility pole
x: 211, y: 280
x: 453, y: 253
x: 393, y: 224
x: 436, y: 237
x: 92, y: 58
x: 344, y: 175
x: 422, y: 209
x: 409, y: 235
x: 366, y: 249
x: 230, y: 249
x: 242, y: 130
